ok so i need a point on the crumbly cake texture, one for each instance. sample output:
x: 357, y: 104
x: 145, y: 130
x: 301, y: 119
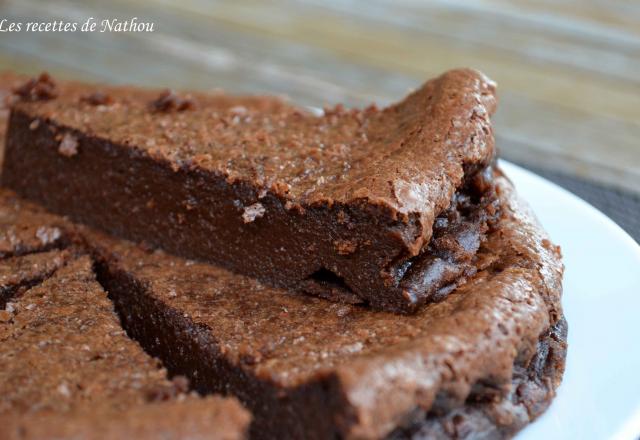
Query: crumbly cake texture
x: 485, y: 359
x: 386, y: 207
x: 67, y: 368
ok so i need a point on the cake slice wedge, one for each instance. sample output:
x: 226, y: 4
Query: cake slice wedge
x: 382, y: 207
x: 68, y: 371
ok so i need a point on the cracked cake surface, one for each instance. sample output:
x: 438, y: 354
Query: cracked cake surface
x: 348, y: 205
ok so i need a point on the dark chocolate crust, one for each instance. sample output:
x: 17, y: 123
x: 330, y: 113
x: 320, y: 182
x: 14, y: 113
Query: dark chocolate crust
x: 345, y: 205
x: 308, y: 368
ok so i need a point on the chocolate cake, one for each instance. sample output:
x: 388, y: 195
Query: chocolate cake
x: 67, y: 368
x: 384, y: 207
x: 484, y: 360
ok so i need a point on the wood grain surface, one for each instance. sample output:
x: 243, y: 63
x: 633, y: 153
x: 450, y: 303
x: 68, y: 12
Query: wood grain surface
x: 568, y: 71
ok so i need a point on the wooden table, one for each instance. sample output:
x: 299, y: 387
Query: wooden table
x: 568, y: 70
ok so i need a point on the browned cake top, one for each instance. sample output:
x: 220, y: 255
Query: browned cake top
x: 409, y: 157
x: 26, y: 231
x: 63, y: 348
x: 207, y: 418
x: 68, y: 370
x: 14, y: 269
x: 19, y: 273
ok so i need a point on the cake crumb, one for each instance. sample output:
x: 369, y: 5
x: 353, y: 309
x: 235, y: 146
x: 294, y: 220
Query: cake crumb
x: 169, y: 101
x: 48, y: 235
x: 68, y: 146
x: 63, y: 389
x: 5, y: 316
x: 238, y: 110
x: 252, y: 212
x: 345, y: 247
x: 41, y: 88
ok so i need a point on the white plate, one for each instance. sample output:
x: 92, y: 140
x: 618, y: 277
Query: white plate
x: 600, y: 394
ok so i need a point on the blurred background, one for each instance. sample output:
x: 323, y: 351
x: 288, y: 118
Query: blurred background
x: 568, y: 71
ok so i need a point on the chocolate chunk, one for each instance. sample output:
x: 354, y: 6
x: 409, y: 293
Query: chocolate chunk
x: 170, y: 101
x: 41, y: 88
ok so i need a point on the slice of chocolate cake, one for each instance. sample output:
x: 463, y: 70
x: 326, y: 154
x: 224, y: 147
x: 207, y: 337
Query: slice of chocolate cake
x: 483, y: 361
x: 68, y: 370
x: 385, y: 207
